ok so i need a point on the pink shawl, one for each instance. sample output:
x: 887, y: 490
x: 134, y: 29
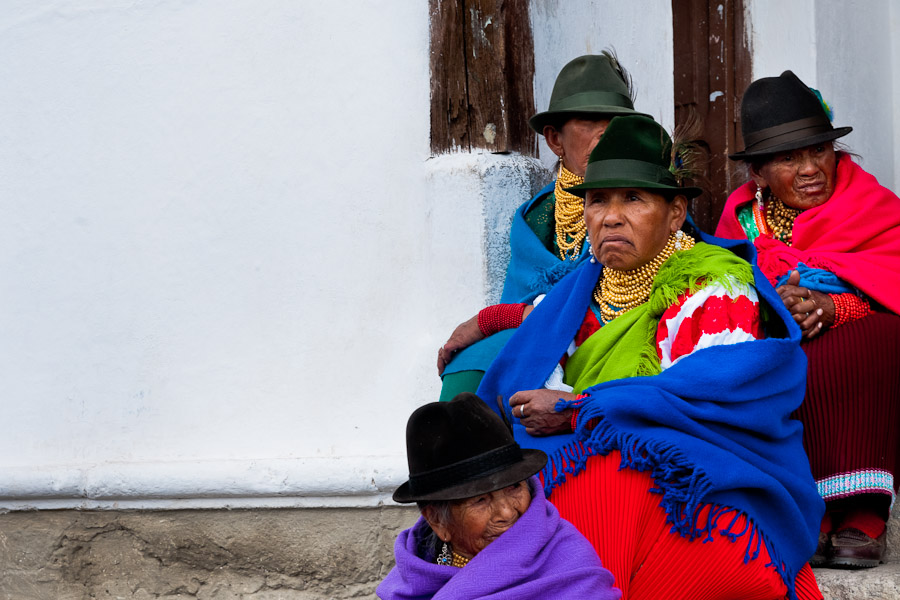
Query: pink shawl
x: 855, y: 235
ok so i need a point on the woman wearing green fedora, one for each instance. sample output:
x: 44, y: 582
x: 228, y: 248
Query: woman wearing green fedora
x: 828, y: 234
x: 660, y: 377
x: 548, y: 232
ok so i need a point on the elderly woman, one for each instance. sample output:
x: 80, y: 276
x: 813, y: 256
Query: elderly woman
x: 548, y: 232
x: 660, y: 378
x: 829, y: 235
x: 484, y: 531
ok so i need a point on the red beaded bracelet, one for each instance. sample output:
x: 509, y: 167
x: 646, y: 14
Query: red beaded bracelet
x: 574, y: 423
x: 849, y: 307
x: 499, y: 317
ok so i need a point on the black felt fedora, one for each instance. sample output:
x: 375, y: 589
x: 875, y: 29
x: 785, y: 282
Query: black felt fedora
x: 590, y: 84
x: 460, y: 449
x: 782, y: 113
x: 634, y: 152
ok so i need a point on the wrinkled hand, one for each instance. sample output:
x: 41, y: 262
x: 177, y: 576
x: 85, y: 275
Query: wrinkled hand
x: 813, y: 311
x: 540, y: 418
x: 465, y: 334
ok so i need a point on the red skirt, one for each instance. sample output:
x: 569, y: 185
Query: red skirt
x: 619, y: 515
x: 851, y: 411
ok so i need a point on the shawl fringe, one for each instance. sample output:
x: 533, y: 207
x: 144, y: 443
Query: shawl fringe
x: 681, y: 484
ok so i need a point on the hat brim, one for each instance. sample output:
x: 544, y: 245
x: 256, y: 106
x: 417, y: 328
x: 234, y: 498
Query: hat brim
x: 827, y: 136
x: 542, y: 119
x: 673, y: 190
x: 532, y: 462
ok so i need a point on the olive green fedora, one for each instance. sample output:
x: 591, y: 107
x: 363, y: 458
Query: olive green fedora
x: 634, y: 152
x: 592, y: 84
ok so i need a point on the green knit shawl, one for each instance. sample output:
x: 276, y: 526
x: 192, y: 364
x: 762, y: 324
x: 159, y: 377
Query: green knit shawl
x: 626, y: 346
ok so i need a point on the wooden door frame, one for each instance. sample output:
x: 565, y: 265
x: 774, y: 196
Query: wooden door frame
x: 712, y: 70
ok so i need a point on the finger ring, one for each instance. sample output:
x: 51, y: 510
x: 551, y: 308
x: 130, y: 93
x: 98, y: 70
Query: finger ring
x: 521, y: 411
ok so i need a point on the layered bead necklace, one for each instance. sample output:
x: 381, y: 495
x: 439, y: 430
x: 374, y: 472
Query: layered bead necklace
x: 780, y: 219
x: 458, y: 560
x: 569, y: 215
x: 617, y: 292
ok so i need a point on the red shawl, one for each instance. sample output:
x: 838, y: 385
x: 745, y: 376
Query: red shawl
x: 855, y: 235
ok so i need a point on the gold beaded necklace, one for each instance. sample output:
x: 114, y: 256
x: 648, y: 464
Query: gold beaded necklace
x: 569, y: 215
x: 617, y: 292
x: 458, y: 560
x: 780, y: 219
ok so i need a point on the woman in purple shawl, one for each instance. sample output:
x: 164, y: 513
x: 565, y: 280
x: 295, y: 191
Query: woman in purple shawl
x: 486, y: 530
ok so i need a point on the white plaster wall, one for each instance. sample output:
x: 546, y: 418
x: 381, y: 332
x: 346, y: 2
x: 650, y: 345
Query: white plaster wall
x: 894, y: 18
x: 212, y: 254
x: 858, y: 79
x: 783, y: 36
x: 639, y: 31
x: 226, y: 256
x: 848, y: 50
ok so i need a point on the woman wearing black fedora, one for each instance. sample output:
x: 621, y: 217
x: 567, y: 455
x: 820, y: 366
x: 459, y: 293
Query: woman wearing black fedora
x: 673, y: 450
x: 548, y: 232
x: 486, y: 530
x: 828, y: 235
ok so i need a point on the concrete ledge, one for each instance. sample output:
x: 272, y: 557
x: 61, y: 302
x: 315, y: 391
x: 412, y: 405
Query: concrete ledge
x: 180, y: 555
x: 880, y: 583
x: 288, y: 554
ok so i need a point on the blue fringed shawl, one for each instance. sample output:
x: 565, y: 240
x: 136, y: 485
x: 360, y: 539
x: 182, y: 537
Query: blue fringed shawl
x: 532, y: 269
x: 714, y: 428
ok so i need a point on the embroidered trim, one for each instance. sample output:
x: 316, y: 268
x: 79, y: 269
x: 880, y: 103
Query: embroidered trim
x: 869, y: 481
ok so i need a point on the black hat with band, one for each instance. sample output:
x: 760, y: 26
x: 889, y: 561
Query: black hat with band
x: 588, y: 85
x: 460, y: 449
x: 782, y: 113
x: 634, y: 152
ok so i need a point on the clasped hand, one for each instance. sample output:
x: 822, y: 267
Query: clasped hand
x: 813, y: 311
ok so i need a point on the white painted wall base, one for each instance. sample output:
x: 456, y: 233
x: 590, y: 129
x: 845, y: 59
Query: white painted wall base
x: 323, y: 482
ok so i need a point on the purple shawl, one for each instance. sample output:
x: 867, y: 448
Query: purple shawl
x: 540, y: 556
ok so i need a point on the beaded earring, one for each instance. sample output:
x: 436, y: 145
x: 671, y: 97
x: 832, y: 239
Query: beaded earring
x: 679, y: 235
x: 445, y: 558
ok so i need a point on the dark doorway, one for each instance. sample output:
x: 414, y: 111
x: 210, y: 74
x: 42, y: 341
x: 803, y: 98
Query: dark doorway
x: 712, y: 70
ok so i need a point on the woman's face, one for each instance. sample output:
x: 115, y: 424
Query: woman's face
x: 575, y: 140
x: 801, y: 178
x: 476, y: 522
x: 630, y: 226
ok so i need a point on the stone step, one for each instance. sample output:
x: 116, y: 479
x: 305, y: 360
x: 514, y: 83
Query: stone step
x: 879, y: 583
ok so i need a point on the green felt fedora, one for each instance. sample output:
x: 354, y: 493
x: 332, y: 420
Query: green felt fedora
x: 589, y: 85
x: 635, y: 152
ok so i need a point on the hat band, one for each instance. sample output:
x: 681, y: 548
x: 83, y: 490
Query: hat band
x: 757, y: 137
x: 626, y: 168
x: 592, y: 99
x: 422, y: 484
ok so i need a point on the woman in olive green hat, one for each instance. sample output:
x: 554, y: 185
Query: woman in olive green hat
x: 548, y: 232
x: 662, y: 398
